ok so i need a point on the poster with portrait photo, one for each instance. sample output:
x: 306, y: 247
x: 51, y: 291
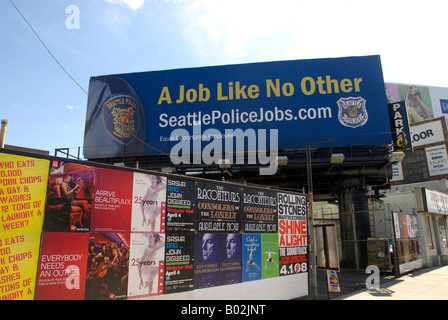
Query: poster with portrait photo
x: 230, y: 268
x: 107, y: 266
x: 206, y: 260
x: 146, y: 264
x: 148, y: 203
x: 69, y: 198
x: 218, y: 208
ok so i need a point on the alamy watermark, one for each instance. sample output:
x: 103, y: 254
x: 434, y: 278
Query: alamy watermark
x: 228, y: 147
x: 373, y: 281
x: 73, y: 21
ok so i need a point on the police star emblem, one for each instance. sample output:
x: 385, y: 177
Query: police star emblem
x: 352, y: 112
x: 119, y: 118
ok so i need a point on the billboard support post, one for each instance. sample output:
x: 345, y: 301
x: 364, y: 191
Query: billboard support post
x: 311, y: 255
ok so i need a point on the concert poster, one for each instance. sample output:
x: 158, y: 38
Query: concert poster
x: 218, y: 208
x: 230, y: 268
x: 179, y: 262
x: 259, y: 211
x: 292, y: 235
x: 206, y: 260
x: 180, y: 204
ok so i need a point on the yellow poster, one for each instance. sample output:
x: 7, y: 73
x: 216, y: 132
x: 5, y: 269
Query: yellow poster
x: 23, y: 185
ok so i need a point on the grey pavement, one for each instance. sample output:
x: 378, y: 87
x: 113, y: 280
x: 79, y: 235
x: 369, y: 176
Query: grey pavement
x: 429, y: 283
x: 423, y: 284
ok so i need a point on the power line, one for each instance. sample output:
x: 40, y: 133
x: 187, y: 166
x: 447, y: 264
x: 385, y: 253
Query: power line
x: 70, y: 76
x: 46, y: 48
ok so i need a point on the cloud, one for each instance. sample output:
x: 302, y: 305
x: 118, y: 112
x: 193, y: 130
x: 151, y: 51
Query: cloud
x: 133, y: 4
x: 235, y: 30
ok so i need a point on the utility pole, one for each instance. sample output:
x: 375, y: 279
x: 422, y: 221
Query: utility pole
x: 311, y: 255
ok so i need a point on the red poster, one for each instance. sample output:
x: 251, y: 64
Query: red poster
x: 292, y: 233
x: 112, y: 202
x: 61, y: 273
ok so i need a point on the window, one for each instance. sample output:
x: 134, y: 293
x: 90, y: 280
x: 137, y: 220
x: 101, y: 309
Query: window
x: 429, y: 233
x: 443, y: 232
x: 415, y: 167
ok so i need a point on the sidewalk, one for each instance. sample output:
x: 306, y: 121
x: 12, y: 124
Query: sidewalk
x: 424, y: 284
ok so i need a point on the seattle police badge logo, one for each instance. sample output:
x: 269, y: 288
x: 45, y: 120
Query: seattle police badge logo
x: 119, y: 114
x: 352, y: 112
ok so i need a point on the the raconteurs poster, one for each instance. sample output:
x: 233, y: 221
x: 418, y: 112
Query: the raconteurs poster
x: 259, y: 211
x: 218, y: 208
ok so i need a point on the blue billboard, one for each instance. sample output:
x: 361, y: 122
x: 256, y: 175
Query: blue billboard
x: 292, y: 102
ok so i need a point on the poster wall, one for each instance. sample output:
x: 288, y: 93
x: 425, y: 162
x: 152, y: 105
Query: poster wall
x: 408, y: 243
x: 85, y: 232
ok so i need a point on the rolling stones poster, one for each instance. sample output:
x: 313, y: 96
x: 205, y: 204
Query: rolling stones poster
x: 292, y: 233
